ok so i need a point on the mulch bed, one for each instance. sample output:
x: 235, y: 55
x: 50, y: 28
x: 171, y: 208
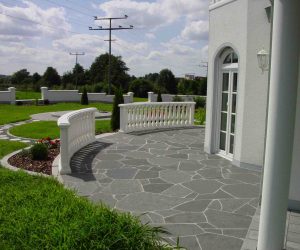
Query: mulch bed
x: 24, y: 161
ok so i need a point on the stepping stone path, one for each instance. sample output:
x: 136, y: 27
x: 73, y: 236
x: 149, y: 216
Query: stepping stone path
x: 167, y: 179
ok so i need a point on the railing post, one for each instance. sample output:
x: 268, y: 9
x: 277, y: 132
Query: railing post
x: 130, y: 94
x: 44, y: 93
x: 122, y: 118
x: 192, y: 114
x: 12, y: 93
x: 64, y: 150
x: 150, y: 96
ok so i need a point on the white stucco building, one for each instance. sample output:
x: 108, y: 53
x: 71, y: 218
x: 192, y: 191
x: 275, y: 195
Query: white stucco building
x: 253, y: 118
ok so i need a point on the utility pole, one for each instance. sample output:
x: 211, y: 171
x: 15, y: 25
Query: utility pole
x: 110, y: 28
x: 204, y: 65
x: 76, y: 54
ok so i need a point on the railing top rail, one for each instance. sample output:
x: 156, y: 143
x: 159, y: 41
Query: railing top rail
x: 154, y: 103
x: 64, y: 120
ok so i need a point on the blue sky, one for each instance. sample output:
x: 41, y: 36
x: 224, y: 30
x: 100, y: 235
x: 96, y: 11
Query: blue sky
x: 167, y: 34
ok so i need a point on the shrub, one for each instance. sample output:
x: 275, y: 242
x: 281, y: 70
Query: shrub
x: 200, y: 102
x: 177, y: 98
x: 159, y: 98
x: 115, y: 117
x: 84, y: 97
x: 39, y: 151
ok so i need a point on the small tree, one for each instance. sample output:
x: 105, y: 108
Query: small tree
x: 159, y: 98
x: 115, y: 117
x: 84, y: 97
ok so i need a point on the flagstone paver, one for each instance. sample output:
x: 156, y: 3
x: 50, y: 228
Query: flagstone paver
x: 167, y: 179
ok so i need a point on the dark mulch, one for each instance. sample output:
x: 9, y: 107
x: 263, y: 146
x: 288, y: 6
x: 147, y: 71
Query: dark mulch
x: 24, y: 161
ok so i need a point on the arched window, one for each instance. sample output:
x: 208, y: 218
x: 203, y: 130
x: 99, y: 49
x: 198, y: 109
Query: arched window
x: 231, y: 58
x: 228, y: 101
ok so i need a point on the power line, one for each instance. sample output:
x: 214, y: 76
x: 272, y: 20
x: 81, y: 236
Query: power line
x: 31, y: 21
x: 110, y: 28
x: 204, y: 65
x: 70, y: 8
x: 76, y: 54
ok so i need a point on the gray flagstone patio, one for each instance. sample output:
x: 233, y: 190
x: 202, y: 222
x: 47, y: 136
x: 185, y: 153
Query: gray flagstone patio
x: 166, y: 178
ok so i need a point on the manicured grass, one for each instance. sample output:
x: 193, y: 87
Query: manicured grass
x: 103, y: 126
x: 14, y: 113
x: 38, y: 213
x: 7, y: 147
x: 21, y: 95
x: 200, y: 116
x: 42, y: 129
x: 140, y: 99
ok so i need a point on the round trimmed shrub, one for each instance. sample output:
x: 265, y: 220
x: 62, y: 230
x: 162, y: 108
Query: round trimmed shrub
x: 39, y: 151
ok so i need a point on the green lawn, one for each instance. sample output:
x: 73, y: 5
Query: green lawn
x: 21, y: 95
x: 7, y: 147
x: 39, y: 213
x: 140, y: 99
x: 14, y: 113
x: 42, y: 129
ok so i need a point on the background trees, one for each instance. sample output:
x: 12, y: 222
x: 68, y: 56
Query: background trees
x: 95, y: 79
x: 167, y: 82
x: 51, y: 77
x: 119, y: 76
x: 140, y: 87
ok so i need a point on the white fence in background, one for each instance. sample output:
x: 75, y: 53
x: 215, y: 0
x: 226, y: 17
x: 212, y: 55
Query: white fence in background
x: 75, y: 96
x: 154, y: 115
x: 8, y: 96
x: 169, y: 98
x: 77, y: 129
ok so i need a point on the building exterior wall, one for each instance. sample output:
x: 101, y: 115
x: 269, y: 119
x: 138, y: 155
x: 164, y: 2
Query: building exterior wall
x: 294, y: 197
x: 242, y: 25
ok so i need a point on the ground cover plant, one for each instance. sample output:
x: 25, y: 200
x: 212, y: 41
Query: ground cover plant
x: 7, y: 147
x: 14, y: 113
x: 41, y: 129
x: 38, y: 213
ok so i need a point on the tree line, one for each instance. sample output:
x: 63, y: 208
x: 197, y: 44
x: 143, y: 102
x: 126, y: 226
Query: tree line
x: 95, y: 79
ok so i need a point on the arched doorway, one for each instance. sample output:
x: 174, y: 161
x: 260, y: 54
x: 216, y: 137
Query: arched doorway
x: 228, y: 86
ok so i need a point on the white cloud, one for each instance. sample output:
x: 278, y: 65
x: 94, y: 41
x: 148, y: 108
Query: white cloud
x: 156, y: 14
x: 47, y: 22
x: 150, y: 35
x: 195, y: 31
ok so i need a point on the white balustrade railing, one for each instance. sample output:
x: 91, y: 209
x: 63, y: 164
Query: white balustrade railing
x: 154, y: 115
x: 77, y: 129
